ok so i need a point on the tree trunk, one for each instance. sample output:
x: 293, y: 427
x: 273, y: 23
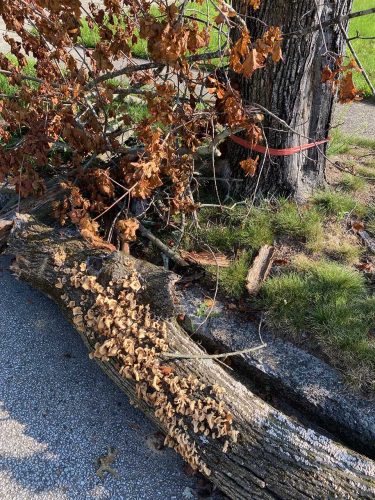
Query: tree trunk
x: 292, y: 90
x: 201, y: 408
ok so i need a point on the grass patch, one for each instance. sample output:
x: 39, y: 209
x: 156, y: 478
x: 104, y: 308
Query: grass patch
x: 234, y: 230
x: 232, y: 279
x: 370, y: 226
x: 240, y: 233
x: 343, y: 251
x: 370, y: 220
x: 331, y: 302
x: 301, y: 223
x: 366, y: 172
x: 137, y: 111
x: 365, y: 49
x: 29, y: 70
x: 352, y: 183
x: 89, y: 37
x: 342, y: 143
x: 337, y: 204
x: 250, y: 228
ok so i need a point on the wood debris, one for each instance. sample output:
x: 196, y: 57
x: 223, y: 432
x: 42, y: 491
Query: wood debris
x: 260, y: 269
x: 206, y: 258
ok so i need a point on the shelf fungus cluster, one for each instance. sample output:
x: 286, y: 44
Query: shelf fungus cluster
x: 126, y: 333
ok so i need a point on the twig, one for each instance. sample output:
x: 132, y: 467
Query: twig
x: 216, y: 290
x: 166, y: 250
x: 146, y: 66
x: 335, y: 20
x: 177, y: 355
x: 22, y: 77
x: 351, y: 48
x: 360, y: 37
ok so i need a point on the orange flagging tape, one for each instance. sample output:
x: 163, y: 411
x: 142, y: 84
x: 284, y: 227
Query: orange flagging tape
x: 273, y: 151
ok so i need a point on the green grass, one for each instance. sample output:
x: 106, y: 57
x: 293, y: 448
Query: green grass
x: 244, y: 228
x: 301, y: 223
x: 314, y: 228
x: 365, y: 49
x: 331, y: 303
x: 240, y: 233
x: 232, y: 279
x: 29, y: 70
x: 370, y: 220
x: 351, y: 182
x: 370, y: 226
x: 342, y: 143
x: 89, y: 37
x: 137, y: 111
x: 343, y: 251
x: 337, y: 204
x: 366, y: 172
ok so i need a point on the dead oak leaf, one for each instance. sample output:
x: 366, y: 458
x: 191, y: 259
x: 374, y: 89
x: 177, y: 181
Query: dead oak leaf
x: 104, y: 463
x: 348, y: 92
x: 249, y: 166
x: 253, y: 61
x: 127, y: 229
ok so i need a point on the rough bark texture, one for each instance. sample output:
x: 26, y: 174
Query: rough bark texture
x: 293, y: 91
x: 292, y: 377
x: 275, y: 457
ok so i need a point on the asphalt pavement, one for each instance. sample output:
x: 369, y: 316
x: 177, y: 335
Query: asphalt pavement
x: 59, y: 413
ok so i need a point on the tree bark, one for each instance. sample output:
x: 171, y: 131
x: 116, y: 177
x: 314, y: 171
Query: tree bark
x: 292, y: 90
x: 274, y: 456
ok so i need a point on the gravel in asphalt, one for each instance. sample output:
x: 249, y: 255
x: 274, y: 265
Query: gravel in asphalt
x: 59, y: 413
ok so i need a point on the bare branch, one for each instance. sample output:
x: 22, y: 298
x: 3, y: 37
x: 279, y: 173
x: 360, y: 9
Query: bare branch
x: 151, y: 65
x: 325, y: 24
x: 166, y: 250
x: 351, y: 48
x: 176, y: 355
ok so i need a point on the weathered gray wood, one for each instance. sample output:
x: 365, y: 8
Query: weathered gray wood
x: 274, y: 457
x: 296, y: 377
x: 259, y: 269
x: 368, y: 240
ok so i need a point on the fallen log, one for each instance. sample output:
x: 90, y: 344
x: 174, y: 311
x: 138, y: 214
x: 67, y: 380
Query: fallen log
x: 246, y: 447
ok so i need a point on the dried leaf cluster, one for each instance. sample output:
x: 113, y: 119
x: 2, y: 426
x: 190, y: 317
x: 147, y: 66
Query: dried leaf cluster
x: 73, y: 118
x: 340, y: 77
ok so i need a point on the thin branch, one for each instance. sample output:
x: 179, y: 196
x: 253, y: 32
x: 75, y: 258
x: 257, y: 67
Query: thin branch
x: 22, y: 77
x: 177, y: 355
x: 166, y: 250
x: 325, y: 24
x: 360, y: 37
x: 219, y: 138
x: 151, y: 65
x: 351, y: 48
